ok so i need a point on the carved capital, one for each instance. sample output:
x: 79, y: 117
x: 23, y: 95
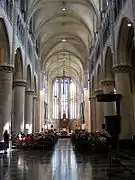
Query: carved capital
x: 21, y: 83
x: 92, y: 97
x: 121, y: 68
x: 98, y: 91
x: 108, y: 83
x: 29, y: 92
x: 6, y: 68
x: 35, y: 97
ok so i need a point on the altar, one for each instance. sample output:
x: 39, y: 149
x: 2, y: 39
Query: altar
x: 64, y: 126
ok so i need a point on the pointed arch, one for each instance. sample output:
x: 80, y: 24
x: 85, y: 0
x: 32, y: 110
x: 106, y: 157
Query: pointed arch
x: 29, y: 77
x: 4, y: 43
x: 92, y: 83
x: 35, y: 86
x: 98, y: 76
x: 18, y: 65
x: 125, y: 37
x: 108, y: 65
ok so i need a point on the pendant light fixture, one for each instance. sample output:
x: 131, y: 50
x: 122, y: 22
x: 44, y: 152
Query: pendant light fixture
x: 63, y: 6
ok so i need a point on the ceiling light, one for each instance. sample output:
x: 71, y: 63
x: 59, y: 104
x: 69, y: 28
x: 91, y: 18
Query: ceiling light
x: 63, y: 9
x: 64, y: 40
x: 129, y: 24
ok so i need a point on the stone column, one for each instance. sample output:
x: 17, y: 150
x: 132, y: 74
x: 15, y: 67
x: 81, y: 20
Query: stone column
x: 6, y: 80
x: 34, y: 123
x: 59, y: 99
x: 99, y: 111
x: 122, y: 82
x: 93, y: 113
x: 37, y: 118
x: 69, y: 99
x: 19, y: 101
x: 86, y: 110
x: 29, y: 110
x: 109, y: 107
x: 50, y: 103
x: 77, y: 103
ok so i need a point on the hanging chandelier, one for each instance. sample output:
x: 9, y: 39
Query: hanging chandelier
x: 63, y: 78
x: 63, y: 6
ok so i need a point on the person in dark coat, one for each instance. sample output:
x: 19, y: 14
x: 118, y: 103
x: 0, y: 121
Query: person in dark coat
x: 6, y: 141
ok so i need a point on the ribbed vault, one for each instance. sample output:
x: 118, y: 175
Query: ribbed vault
x: 64, y: 29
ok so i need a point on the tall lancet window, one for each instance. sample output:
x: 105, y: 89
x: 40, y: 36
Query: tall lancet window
x: 56, y: 99
x: 73, y: 100
x: 64, y: 98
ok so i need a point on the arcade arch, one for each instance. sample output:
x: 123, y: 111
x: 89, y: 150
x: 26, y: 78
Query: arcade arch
x: 99, y: 105
x: 123, y: 75
x: 124, y: 38
x: 18, y: 73
x: 108, y: 65
x: 108, y: 83
x: 29, y: 80
x: 93, y: 105
x: 35, y: 86
x: 99, y: 77
x: 92, y: 84
x: 19, y: 85
x: 35, y: 123
x: 29, y: 102
x: 4, y: 44
x: 6, y: 79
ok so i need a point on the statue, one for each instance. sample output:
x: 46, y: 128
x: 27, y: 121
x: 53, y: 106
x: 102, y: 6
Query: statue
x: 64, y: 115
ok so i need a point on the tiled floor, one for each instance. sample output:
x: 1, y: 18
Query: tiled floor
x: 61, y: 164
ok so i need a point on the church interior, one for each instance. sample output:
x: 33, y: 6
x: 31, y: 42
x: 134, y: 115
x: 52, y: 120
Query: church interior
x: 67, y: 89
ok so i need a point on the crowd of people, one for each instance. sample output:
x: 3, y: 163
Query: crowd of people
x: 39, y: 140
x: 92, y: 141
x: 96, y: 141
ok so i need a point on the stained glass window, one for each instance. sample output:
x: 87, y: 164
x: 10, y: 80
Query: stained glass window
x: 55, y: 99
x: 64, y: 98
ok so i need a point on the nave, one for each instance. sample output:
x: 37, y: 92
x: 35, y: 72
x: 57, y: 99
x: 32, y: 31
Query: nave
x: 62, y: 163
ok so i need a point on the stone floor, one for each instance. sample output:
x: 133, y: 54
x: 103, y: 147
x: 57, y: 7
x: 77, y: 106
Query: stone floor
x: 63, y: 163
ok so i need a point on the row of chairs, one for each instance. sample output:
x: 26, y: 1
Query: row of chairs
x: 40, y: 141
x: 94, y: 142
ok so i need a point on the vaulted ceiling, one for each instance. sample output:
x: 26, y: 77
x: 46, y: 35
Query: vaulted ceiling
x: 64, y: 29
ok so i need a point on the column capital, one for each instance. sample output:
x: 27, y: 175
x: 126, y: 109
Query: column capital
x: 21, y: 83
x: 92, y: 97
x: 107, y: 83
x: 98, y: 91
x: 29, y: 92
x: 122, y: 68
x: 35, y: 97
x: 6, y: 68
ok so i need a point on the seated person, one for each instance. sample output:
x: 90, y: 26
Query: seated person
x: 41, y: 138
x: 27, y: 138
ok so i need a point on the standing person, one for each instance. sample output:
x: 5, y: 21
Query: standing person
x: 6, y: 141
